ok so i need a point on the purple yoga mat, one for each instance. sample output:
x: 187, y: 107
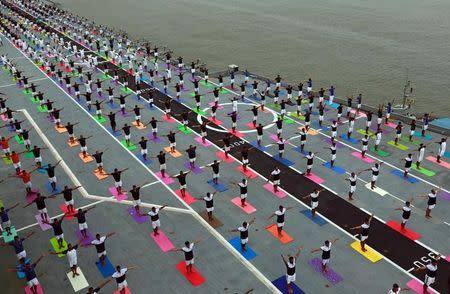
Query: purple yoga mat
x: 196, y: 170
x: 444, y: 195
x: 154, y: 140
x: 140, y: 219
x: 333, y: 277
x: 374, y: 127
x: 338, y: 145
x: 84, y: 241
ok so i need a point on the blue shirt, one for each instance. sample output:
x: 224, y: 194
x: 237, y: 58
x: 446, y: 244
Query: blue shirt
x: 4, y: 215
x: 18, y: 246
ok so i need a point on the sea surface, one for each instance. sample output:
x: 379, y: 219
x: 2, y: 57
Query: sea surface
x: 360, y: 46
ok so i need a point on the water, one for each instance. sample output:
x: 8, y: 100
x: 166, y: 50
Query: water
x: 357, y: 45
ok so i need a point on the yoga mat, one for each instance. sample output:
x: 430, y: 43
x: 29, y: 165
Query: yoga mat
x: 166, y: 180
x: 281, y: 285
x: 316, y: 179
x: 44, y: 227
x: 138, y: 218
x: 417, y: 287
x: 50, y: 189
x: 331, y: 276
x: 100, y: 176
x: 31, y: 196
x: 196, y: 170
x: 215, y: 121
x: 199, y: 112
x: 424, y: 171
x: 255, y: 144
x: 335, y: 168
x: 221, y: 155
x: 117, y: 196
x: 145, y: 161
x: 406, y: 139
x: 410, y: 234
x: 56, y: 248
x: 126, y: 90
x: 249, y: 254
x: 215, y: 222
x: 79, y: 282
x: 64, y: 209
x: 107, y: 269
x: 280, y: 193
x: 7, y: 161
x: 200, y: 141
x: 398, y: 146
x: 141, y: 126
x: 370, y: 254
x: 338, y: 145
x: 100, y: 120
x: 316, y: 219
x: 284, y: 238
x: 248, y: 208
x: 311, y: 132
x: 419, y: 135
x: 381, y: 153
x: 127, y: 291
x: 86, y: 159
x: 444, y: 195
x: 188, y: 199
x: 185, y: 131
x: 195, y: 278
x: 72, y: 144
x: 153, y: 139
x: 162, y: 241
x: 174, y: 154
x: 248, y: 173
x: 20, y: 267
x: 211, y: 104
x: 116, y: 134
x: 442, y: 163
x: 168, y: 120
x: 351, y: 140
x: 399, y: 174
x: 60, y: 129
x: 84, y: 241
x: 365, y: 159
x: 218, y: 187
x: 283, y: 160
x: 38, y: 289
x: 294, y: 114
x: 250, y: 126
x: 130, y: 147
x: 377, y: 190
x: 8, y: 238
x: 317, y: 126
x: 236, y: 133
x: 18, y: 139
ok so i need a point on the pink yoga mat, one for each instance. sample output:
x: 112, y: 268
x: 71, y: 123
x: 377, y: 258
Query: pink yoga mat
x: 417, y: 287
x: 250, y: 126
x: 39, y: 290
x: 248, y: 208
x: 248, y: 173
x: 236, y: 133
x: 162, y: 241
x: 118, y: 197
x: 31, y: 196
x: 221, y: 155
x: 169, y: 120
x: 187, y: 198
x: 391, y: 125
x: 280, y: 193
x: 216, y: 121
x: 200, y: 141
x: 442, y: 163
x: 316, y: 179
x: 166, y: 180
x: 211, y: 104
x: 275, y: 138
x: 43, y: 226
x: 365, y: 159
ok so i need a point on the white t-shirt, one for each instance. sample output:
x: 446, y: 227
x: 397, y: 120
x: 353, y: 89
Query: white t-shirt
x: 119, y: 274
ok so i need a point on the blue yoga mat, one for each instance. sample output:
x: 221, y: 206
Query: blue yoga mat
x: 334, y: 105
x: 284, y: 161
x: 255, y: 144
x: 315, y: 125
x: 41, y: 170
x: 50, y: 190
x: 106, y: 270
x: 399, y: 173
x: 317, y: 219
x: 146, y: 162
x: 219, y: 187
x: 115, y: 134
x: 338, y: 169
x: 351, y: 140
x: 281, y: 284
x: 20, y: 273
x: 236, y: 243
x: 297, y: 149
x: 419, y: 135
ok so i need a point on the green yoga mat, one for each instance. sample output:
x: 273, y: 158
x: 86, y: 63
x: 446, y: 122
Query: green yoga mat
x: 1, y: 204
x: 100, y: 120
x: 42, y: 108
x: 379, y: 152
x: 7, y: 161
x: 130, y: 147
x: 201, y: 112
x: 424, y: 171
x: 204, y: 84
x: 126, y: 90
x: 287, y: 120
x: 55, y: 246
x: 27, y: 92
x: 406, y: 139
x: 294, y: 114
x: 34, y: 100
x: 363, y: 132
x: 29, y: 154
x: 185, y: 131
x: 399, y: 146
x: 18, y: 139
x: 273, y: 105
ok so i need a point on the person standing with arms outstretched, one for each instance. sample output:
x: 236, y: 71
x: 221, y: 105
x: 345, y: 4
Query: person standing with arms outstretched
x: 326, y: 253
x: 243, y: 233
x: 154, y: 218
x: 364, y: 234
x: 188, y: 250
x: 280, y: 214
x: 290, y: 263
x: 120, y: 276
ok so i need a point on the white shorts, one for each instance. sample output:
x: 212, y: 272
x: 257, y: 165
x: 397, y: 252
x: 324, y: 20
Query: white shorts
x: 333, y: 134
x: 404, y: 220
x: 22, y: 254
x: 280, y: 225
x: 156, y: 224
x: 144, y: 151
x: 379, y: 120
x: 98, y: 112
x: 283, y: 111
x: 174, y: 144
x: 244, y: 196
x: 100, y: 254
x: 374, y: 178
x: 309, y: 166
x: 183, y: 186
x: 136, y: 202
x: 407, y: 169
x: 314, y: 204
x: 52, y: 180
x: 99, y: 164
x: 429, y: 280
x: 137, y: 117
x: 127, y: 137
x: 276, y: 182
x: 43, y: 210
x: 122, y: 285
x: 333, y: 157
x: 59, y: 237
x: 399, y: 135
x: 430, y: 207
x: 28, y: 184
x: 210, y: 209
x: 227, y: 148
x: 162, y: 166
x: 325, y: 261
x: 83, y: 149
x: 309, y: 89
x: 6, y: 150
x: 203, y: 134
x: 155, y: 130
x: 364, y: 238
x: 364, y: 148
x: 377, y: 142
x: 118, y: 184
x: 16, y: 165
x: 425, y: 127
x: 192, y: 159
x: 215, y: 176
x: 190, y: 261
x: 412, y: 133
x: 244, y: 241
x: 70, y: 202
x: 259, y: 137
x: 290, y: 279
x: 441, y: 152
x: 244, y: 161
x: 82, y: 226
x: 33, y: 282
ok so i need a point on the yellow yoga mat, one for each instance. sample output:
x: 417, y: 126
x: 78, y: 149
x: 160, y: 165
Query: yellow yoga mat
x: 370, y: 254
